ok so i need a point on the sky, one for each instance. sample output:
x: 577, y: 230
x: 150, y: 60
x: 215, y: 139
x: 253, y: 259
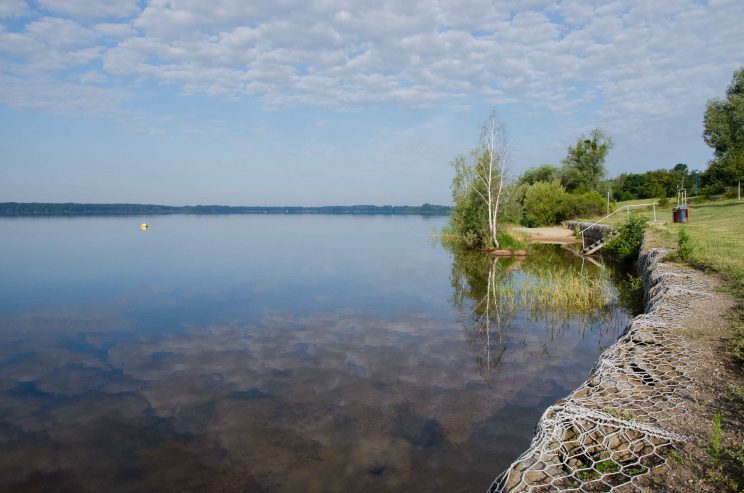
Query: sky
x: 341, y: 101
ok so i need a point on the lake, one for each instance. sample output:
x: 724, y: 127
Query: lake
x: 277, y: 353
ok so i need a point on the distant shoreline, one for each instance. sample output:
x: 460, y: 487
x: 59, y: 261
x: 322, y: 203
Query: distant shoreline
x: 40, y: 209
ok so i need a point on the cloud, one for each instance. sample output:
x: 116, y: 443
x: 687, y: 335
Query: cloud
x: 13, y: 8
x: 632, y: 64
x: 85, y: 9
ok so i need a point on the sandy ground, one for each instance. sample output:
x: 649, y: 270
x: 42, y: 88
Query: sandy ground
x: 552, y: 234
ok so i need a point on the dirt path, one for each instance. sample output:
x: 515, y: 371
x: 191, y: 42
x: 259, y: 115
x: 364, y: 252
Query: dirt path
x: 713, y: 372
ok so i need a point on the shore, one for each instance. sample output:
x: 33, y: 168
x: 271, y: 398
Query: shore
x: 650, y: 397
x: 551, y: 234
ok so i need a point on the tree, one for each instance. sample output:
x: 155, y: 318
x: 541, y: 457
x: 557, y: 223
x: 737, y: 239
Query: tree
x: 724, y: 132
x: 478, y: 185
x: 544, y: 172
x: 584, y: 166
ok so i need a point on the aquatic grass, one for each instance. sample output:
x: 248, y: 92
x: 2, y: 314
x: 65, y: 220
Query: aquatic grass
x: 564, y: 291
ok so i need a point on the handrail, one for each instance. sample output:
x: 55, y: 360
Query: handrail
x: 626, y: 207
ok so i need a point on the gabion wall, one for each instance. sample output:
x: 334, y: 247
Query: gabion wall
x: 613, y: 431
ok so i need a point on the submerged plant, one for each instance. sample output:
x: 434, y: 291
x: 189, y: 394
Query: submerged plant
x: 564, y: 292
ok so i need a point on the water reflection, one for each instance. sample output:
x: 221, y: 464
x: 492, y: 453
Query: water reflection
x: 415, y: 369
x: 550, y: 287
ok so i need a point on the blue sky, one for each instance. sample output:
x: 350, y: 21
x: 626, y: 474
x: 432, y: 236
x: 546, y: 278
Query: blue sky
x: 341, y: 101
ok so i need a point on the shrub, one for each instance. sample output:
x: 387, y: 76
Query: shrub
x: 584, y: 205
x: 731, y: 193
x: 512, y: 204
x: 716, y: 188
x: 663, y: 201
x: 544, y: 204
x: 684, y: 244
x: 627, y: 244
x: 509, y: 242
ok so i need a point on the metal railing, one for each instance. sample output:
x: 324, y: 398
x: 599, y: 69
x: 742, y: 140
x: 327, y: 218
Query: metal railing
x: 627, y: 209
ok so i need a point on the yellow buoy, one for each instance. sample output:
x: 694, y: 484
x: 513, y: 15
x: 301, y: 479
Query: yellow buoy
x: 143, y: 226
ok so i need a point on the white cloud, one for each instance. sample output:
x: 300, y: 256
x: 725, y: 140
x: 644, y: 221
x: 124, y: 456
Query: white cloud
x: 13, y: 8
x: 635, y: 63
x: 86, y: 9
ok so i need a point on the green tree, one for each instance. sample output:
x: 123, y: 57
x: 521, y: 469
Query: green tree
x: 544, y: 204
x: 478, y: 186
x: 584, y: 166
x: 544, y: 172
x: 724, y: 132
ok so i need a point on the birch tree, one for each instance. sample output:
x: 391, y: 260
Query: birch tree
x: 478, y: 185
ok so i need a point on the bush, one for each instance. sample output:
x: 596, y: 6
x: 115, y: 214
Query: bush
x: 731, y: 193
x: 716, y: 188
x: 509, y: 242
x: 627, y: 244
x: 544, y: 204
x: 684, y: 244
x: 663, y: 201
x: 584, y: 205
x: 512, y: 204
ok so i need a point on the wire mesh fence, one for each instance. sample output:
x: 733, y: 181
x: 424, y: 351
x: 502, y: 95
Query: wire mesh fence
x: 614, y: 430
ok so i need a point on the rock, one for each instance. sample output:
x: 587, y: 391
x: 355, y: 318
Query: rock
x: 534, y: 477
x: 501, y: 253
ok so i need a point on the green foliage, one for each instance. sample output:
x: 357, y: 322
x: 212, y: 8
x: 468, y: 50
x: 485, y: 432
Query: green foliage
x: 738, y: 343
x: 715, y: 450
x: 547, y: 203
x: 469, y: 218
x: 584, y: 166
x: 477, y: 187
x: 583, y: 205
x: 724, y: 132
x: 510, y: 242
x: 544, y: 172
x: 727, y: 471
x: 627, y: 244
x: 544, y: 204
x: 663, y: 201
x: 653, y: 184
x: 512, y: 204
x: 631, y: 294
x: 684, y: 244
x: 607, y: 466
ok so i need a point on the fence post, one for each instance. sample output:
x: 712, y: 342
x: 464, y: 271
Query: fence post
x: 654, y: 213
x: 627, y: 209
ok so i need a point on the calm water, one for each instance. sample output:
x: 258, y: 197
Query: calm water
x: 272, y: 353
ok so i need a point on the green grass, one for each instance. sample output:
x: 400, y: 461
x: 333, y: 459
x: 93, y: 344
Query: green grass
x: 716, y: 230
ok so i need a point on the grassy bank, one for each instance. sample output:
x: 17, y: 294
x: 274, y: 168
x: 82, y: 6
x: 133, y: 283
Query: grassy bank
x: 713, y: 241
x: 716, y: 230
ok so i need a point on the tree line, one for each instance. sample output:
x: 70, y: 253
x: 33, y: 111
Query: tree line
x: 74, y: 209
x: 547, y: 194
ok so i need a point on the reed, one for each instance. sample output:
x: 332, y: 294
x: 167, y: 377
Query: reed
x: 564, y: 292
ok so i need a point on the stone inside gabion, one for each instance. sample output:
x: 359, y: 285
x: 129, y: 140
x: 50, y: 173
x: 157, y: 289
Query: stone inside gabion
x: 613, y: 430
